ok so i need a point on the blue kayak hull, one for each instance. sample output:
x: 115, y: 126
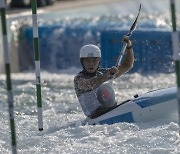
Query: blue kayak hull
x: 148, y: 107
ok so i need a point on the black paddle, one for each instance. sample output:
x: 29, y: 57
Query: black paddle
x: 133, y: 27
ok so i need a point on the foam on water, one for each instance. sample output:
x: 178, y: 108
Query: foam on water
x: 61, y: 109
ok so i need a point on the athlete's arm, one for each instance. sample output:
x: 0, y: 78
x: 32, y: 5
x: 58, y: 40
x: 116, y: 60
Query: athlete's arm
x: 128, y: 62
x: 86, y: 84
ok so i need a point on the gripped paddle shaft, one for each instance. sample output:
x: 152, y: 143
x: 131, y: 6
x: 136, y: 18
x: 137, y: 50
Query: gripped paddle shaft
x: 133, y: 27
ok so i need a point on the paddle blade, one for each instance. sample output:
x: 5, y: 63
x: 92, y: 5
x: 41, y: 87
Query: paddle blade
x: 134, y: 25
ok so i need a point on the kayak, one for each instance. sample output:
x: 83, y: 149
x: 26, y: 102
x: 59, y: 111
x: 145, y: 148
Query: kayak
x: 150, y: 106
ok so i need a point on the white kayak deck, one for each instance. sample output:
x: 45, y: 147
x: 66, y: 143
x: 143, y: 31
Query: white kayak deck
x: 150, y: 106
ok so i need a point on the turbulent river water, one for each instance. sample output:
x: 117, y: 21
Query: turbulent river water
x: 61, y: 108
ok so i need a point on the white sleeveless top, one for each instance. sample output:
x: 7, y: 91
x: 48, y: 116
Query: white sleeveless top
x: 89, y: 102
x: 88, y: 98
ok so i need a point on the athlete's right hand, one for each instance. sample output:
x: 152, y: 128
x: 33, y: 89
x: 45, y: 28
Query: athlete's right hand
x: 113, y: 70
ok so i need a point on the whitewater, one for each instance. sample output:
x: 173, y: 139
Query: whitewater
x: 61, y: 109
x: 62, y: 115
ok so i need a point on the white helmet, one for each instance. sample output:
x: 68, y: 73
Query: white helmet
x: 90, y: 51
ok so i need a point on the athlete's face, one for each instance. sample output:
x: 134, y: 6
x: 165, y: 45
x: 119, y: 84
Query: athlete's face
x: 91, y: 64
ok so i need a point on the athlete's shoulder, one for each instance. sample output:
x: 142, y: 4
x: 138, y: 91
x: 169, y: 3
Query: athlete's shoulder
x: 79, y: 76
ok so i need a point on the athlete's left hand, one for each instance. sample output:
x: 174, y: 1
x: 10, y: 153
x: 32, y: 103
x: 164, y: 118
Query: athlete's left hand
x: 126, y: 39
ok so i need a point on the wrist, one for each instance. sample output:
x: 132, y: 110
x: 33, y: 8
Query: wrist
x: 129, y: 47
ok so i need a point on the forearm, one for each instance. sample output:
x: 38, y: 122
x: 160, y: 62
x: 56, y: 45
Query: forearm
x: 93, y: 82
x: 129, y: 59
x: 127, y: 63
x: 96, y: 81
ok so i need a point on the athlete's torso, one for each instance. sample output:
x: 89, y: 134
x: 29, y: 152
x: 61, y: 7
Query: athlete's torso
x: 87, y: 97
